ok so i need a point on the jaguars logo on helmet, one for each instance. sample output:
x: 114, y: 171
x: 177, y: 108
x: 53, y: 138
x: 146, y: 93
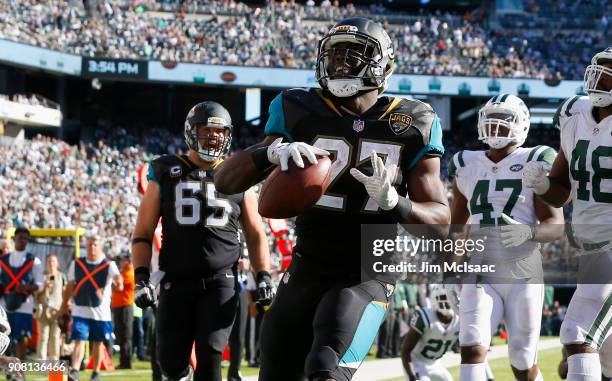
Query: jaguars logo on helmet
x: 355, y: 55
x: 213, y: 115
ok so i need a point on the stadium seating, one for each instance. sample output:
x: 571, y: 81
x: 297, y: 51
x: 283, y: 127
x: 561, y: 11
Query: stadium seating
x: 286, y: 35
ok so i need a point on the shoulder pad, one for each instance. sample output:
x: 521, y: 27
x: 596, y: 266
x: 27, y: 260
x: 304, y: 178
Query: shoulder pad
x: 298, y: 102
x: 165, y: 164
x: 456, y: 162
x: 542, y: 153
x: 165, y: 161
x: 418, y: 322
x: 466, y: 157
x: 569, y: 107
x: 421, y: 116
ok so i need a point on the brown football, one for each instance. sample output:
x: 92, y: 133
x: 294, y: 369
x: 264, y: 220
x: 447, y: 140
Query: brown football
x: 289, y: 193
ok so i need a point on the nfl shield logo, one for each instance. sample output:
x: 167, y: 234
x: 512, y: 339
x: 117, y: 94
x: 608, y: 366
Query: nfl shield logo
x: 358, y: 125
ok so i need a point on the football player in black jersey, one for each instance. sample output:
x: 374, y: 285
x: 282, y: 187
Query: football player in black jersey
x: 386, y: 169
x: 200, y: 248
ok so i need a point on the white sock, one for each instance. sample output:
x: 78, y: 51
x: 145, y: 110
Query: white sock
x: 489, y: 372
x: 583, y: 367
x: 473, y: 372
x: 539, y: 377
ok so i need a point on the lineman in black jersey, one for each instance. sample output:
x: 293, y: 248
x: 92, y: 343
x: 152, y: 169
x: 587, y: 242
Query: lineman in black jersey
x: 200, y: 248
x: 332, y: 316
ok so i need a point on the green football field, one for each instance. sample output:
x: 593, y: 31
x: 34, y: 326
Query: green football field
x: 548, y: 361
x: 141, y: 372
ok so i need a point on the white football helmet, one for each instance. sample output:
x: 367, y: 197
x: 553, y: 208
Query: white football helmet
x: 592, y: 75
x: 503, y: 111
x: 5, y: 331
x: 445, y: 298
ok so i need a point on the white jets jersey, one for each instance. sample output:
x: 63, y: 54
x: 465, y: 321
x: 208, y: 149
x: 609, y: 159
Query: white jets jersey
x: 495, y: 188
x: 437, y: 338
x: 587, y: 146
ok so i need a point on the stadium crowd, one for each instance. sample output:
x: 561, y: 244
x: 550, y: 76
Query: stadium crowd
x: 285, y: 34
x: 29, y: 99
x: 48, y: 183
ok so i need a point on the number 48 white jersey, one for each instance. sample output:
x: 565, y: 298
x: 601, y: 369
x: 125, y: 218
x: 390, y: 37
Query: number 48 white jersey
x: 587, y: 146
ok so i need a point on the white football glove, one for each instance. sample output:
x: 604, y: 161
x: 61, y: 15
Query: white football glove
x: 279, y: 153
x: 379, y: 184
x: 535, y: 176
x: 515, y: 233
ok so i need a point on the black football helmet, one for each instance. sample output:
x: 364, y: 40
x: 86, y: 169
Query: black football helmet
x: 209, y: 147
x: 355, y: 55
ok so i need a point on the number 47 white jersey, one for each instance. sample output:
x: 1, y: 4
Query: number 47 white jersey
x: 494, y: 188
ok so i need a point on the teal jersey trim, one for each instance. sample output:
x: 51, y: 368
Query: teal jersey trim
x: 435, y: 143
x: 151, y: 174
x: 276, y: 120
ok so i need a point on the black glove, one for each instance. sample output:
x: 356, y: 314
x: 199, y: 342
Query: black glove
x: 145, y: 291
x: 1, y: 289
x: 265, y: 289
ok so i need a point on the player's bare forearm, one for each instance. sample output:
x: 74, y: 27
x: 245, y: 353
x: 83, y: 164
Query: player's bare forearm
x: 560, y: 189
x: 238, y: 173
x: 460, y: 215
x: 259, y: 254
x: 410, y: 341
x: 428, y: 196
x: 146, y: 223
x: 557, y: 195
x: 551, y: 219
x: 429, y: 212
x: 252, y: 226
x: 142, y: 254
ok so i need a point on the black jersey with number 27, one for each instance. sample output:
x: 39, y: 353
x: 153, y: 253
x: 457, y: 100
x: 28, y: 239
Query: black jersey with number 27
x: 401, y: 131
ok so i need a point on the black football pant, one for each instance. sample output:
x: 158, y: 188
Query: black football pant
x: 123, y: 322
x: 320, y: 326
x: 202, y: 311
x: 237, y: 337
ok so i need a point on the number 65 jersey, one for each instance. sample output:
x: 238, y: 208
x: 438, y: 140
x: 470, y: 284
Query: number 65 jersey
x: 587, y: 146
x: 401, y: 131
x: 199, y: 225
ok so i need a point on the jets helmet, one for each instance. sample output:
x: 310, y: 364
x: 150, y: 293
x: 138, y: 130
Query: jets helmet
x: 445, y: 298
x: 355, y: 55
x: 5, y: 331
x: 504, y: 111
x: 593, y: 85
x: 211, y: 146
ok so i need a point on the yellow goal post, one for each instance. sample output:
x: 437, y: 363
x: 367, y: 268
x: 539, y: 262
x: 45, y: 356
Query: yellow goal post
x: 65, y: 243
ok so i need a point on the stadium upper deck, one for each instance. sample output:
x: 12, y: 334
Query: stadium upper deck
x: 286, y: 35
